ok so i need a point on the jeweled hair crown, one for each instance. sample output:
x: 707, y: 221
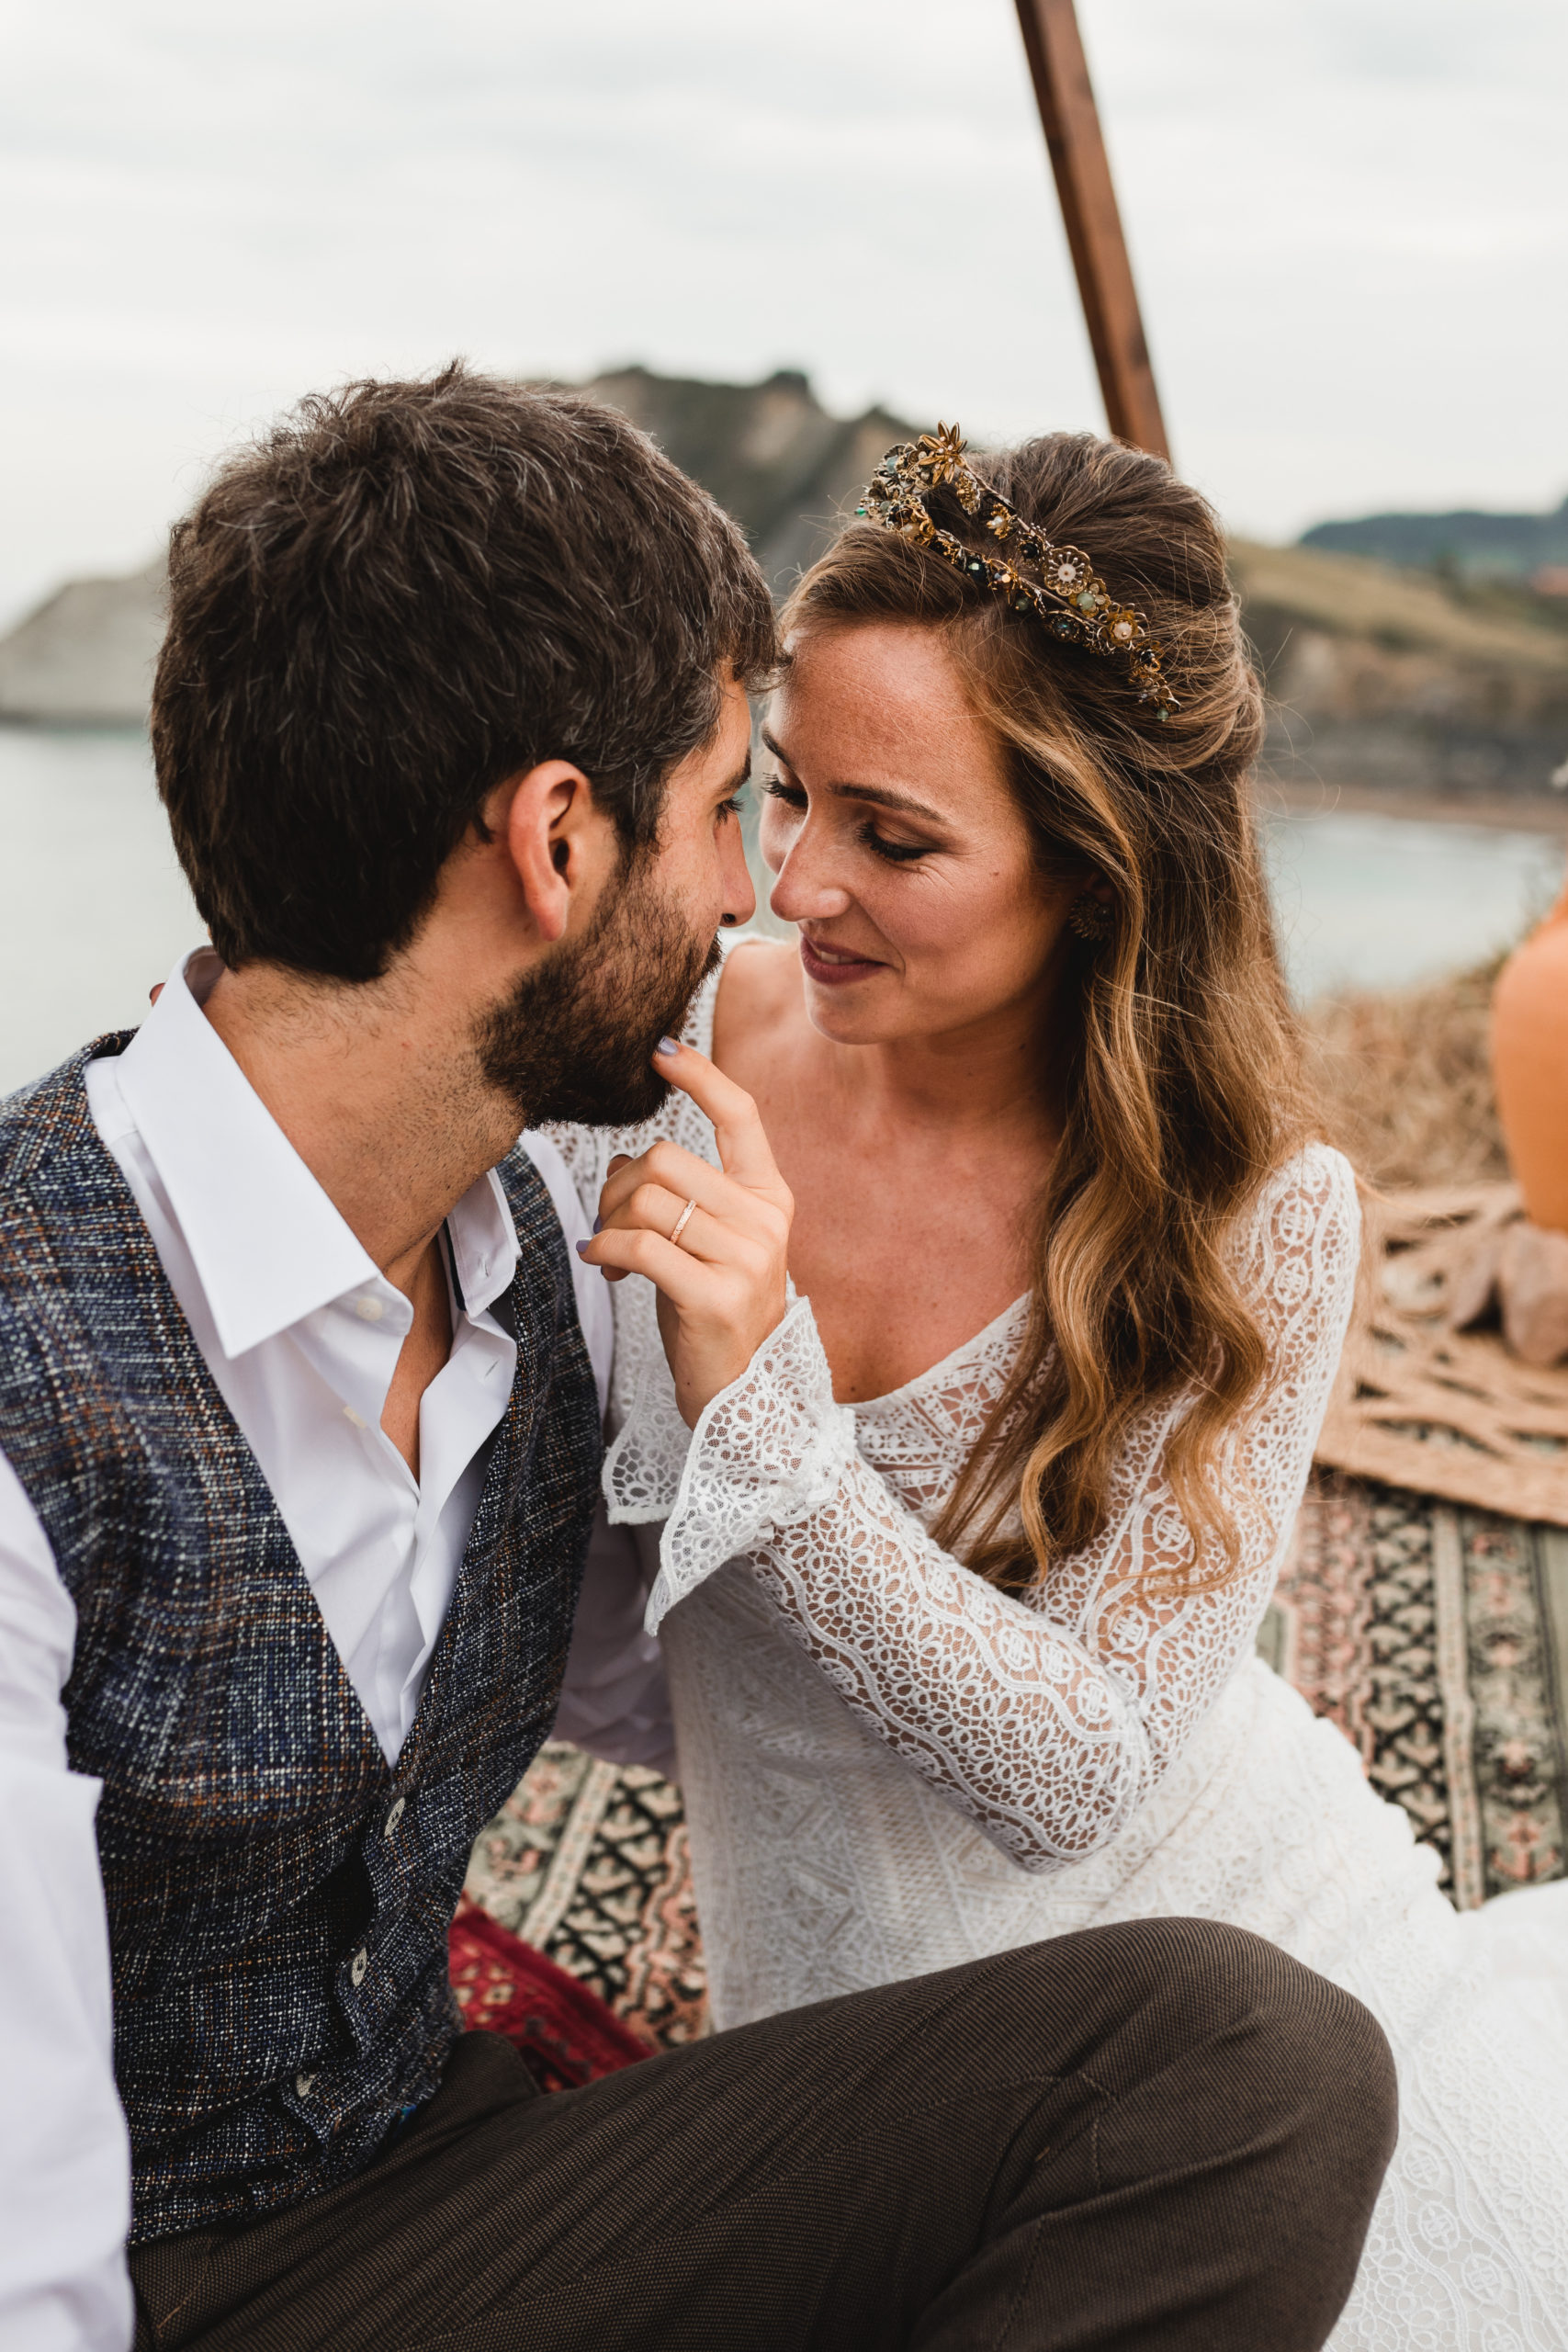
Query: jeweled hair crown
x: 1059, y: 584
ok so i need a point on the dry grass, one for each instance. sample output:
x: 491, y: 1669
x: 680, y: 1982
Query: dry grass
x: 1406, y: 1084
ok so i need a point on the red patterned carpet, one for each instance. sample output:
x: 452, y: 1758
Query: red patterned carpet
x: 566, y: 2034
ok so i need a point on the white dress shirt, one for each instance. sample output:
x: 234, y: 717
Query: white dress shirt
x: 301, y: 1333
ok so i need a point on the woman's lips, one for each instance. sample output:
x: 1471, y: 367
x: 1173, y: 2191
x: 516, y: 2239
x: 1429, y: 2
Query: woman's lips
x: 833, y: 967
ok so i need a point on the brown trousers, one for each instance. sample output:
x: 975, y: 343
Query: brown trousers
x: 1160, y: 2134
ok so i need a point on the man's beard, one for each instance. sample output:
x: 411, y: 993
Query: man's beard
x: 575, y: 1038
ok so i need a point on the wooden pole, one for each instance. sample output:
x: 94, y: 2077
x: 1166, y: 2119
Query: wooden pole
x: 1071, y: 121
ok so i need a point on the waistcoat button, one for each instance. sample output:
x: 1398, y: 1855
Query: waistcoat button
x: 395, y: 1815
x: 357, y: 1966
x: 303, y: 2085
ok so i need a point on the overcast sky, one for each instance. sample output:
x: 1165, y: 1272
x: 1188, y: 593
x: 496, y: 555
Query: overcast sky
x: 1349, y: 221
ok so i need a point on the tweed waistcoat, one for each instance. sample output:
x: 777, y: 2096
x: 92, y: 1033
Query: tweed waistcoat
x: 278, y: 1895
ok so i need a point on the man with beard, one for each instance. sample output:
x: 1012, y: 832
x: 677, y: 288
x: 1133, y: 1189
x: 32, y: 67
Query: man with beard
x: 299, y: 1444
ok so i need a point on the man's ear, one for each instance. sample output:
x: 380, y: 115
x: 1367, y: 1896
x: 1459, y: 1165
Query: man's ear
x: 557, y: 843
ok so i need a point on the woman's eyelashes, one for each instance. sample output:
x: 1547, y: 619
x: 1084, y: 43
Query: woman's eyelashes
x: 893, y: 852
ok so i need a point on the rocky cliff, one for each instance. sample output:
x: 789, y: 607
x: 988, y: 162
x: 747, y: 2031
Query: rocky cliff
x: 85, y: 658
x: 769, y: 452
x: 1378, y: 678
x: 1465, y: 543
x: 1388, y: 681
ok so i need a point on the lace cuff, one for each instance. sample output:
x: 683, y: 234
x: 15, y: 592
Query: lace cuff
x: 642, y: 1468
x: 770, y: 1447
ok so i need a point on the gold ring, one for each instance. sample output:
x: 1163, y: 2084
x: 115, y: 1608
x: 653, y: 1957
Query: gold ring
x: 681, y: 1220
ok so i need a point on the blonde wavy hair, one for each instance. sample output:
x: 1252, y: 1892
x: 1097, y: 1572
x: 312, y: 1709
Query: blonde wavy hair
x: 1176, y: 1067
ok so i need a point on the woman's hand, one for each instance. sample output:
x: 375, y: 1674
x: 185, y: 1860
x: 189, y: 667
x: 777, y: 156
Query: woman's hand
x: 722, y: 1285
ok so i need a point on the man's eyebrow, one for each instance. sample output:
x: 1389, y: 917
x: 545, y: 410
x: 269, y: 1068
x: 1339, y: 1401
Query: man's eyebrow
x: 742, y: 776
x: 875, y: 792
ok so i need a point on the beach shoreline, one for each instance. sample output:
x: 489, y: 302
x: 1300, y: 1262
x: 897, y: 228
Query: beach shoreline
x: 1499, y: 811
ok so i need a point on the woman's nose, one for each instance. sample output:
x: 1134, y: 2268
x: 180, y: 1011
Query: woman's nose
x: 804, y: 889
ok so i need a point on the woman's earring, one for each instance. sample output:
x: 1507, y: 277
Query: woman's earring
x: 1088, y: 917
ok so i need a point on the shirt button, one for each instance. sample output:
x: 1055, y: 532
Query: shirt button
x: 357, y: 1966
x: 396, y: 1814
x: 303, y: 2085
x: 369, y: 1310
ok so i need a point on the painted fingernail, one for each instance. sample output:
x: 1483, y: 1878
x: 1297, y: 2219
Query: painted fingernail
x: 667, y: 1045
x: 598, y: 1225
x: 581, y: 1248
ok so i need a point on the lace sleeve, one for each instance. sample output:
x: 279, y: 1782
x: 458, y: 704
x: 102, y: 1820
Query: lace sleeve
x: 1048, y: 1719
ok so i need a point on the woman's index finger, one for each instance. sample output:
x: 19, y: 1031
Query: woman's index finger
x: 744, y: 1150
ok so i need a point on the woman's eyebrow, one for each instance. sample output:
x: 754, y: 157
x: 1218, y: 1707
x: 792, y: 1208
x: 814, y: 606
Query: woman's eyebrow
x: 876, y: 792
x: 899, y: 801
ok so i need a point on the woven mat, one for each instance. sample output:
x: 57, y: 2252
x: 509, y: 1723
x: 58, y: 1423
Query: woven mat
x: 559, y: 2027
x: 1433, y: 1635
x: 1428, y: 1396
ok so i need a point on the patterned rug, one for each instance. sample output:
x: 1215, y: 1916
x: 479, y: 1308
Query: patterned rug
x: 1435, y: 1635
x: 564, y: 2031
x: 588, y: 1863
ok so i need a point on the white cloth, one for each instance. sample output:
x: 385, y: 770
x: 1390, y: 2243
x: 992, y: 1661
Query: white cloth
x: 301, y: 1333
x: 889, y: 1767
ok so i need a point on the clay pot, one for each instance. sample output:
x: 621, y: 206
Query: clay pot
x: 1530, y: 1064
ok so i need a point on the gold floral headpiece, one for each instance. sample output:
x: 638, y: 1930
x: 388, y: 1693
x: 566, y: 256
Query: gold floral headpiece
x: 1060, y: 584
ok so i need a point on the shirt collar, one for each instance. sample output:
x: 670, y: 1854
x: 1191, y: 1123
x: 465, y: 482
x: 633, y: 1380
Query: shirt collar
x: 484, y: 1243
x: 268, y: 1246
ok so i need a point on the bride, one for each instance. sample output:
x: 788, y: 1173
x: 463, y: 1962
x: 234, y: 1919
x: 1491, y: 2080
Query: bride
x: 958, y: 1577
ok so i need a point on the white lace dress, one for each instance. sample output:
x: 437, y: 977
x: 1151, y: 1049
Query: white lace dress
x: 889, y: 1767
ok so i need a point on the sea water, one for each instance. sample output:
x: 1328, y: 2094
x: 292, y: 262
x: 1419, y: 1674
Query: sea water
x: 94, y: 910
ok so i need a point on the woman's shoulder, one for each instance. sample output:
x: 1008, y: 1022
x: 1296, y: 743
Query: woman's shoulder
x: 761, y: 983
x: 1317, y: 1182
x: 1303, y: 1239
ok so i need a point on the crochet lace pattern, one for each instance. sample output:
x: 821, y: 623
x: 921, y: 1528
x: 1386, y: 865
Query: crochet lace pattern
x: 1048, y: 1718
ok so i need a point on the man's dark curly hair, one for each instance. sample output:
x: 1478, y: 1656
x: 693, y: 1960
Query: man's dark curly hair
x: 402, y: 595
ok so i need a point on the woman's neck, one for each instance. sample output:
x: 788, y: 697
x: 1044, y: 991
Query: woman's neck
x: 915, y: 1165
x: 984, y: 1080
